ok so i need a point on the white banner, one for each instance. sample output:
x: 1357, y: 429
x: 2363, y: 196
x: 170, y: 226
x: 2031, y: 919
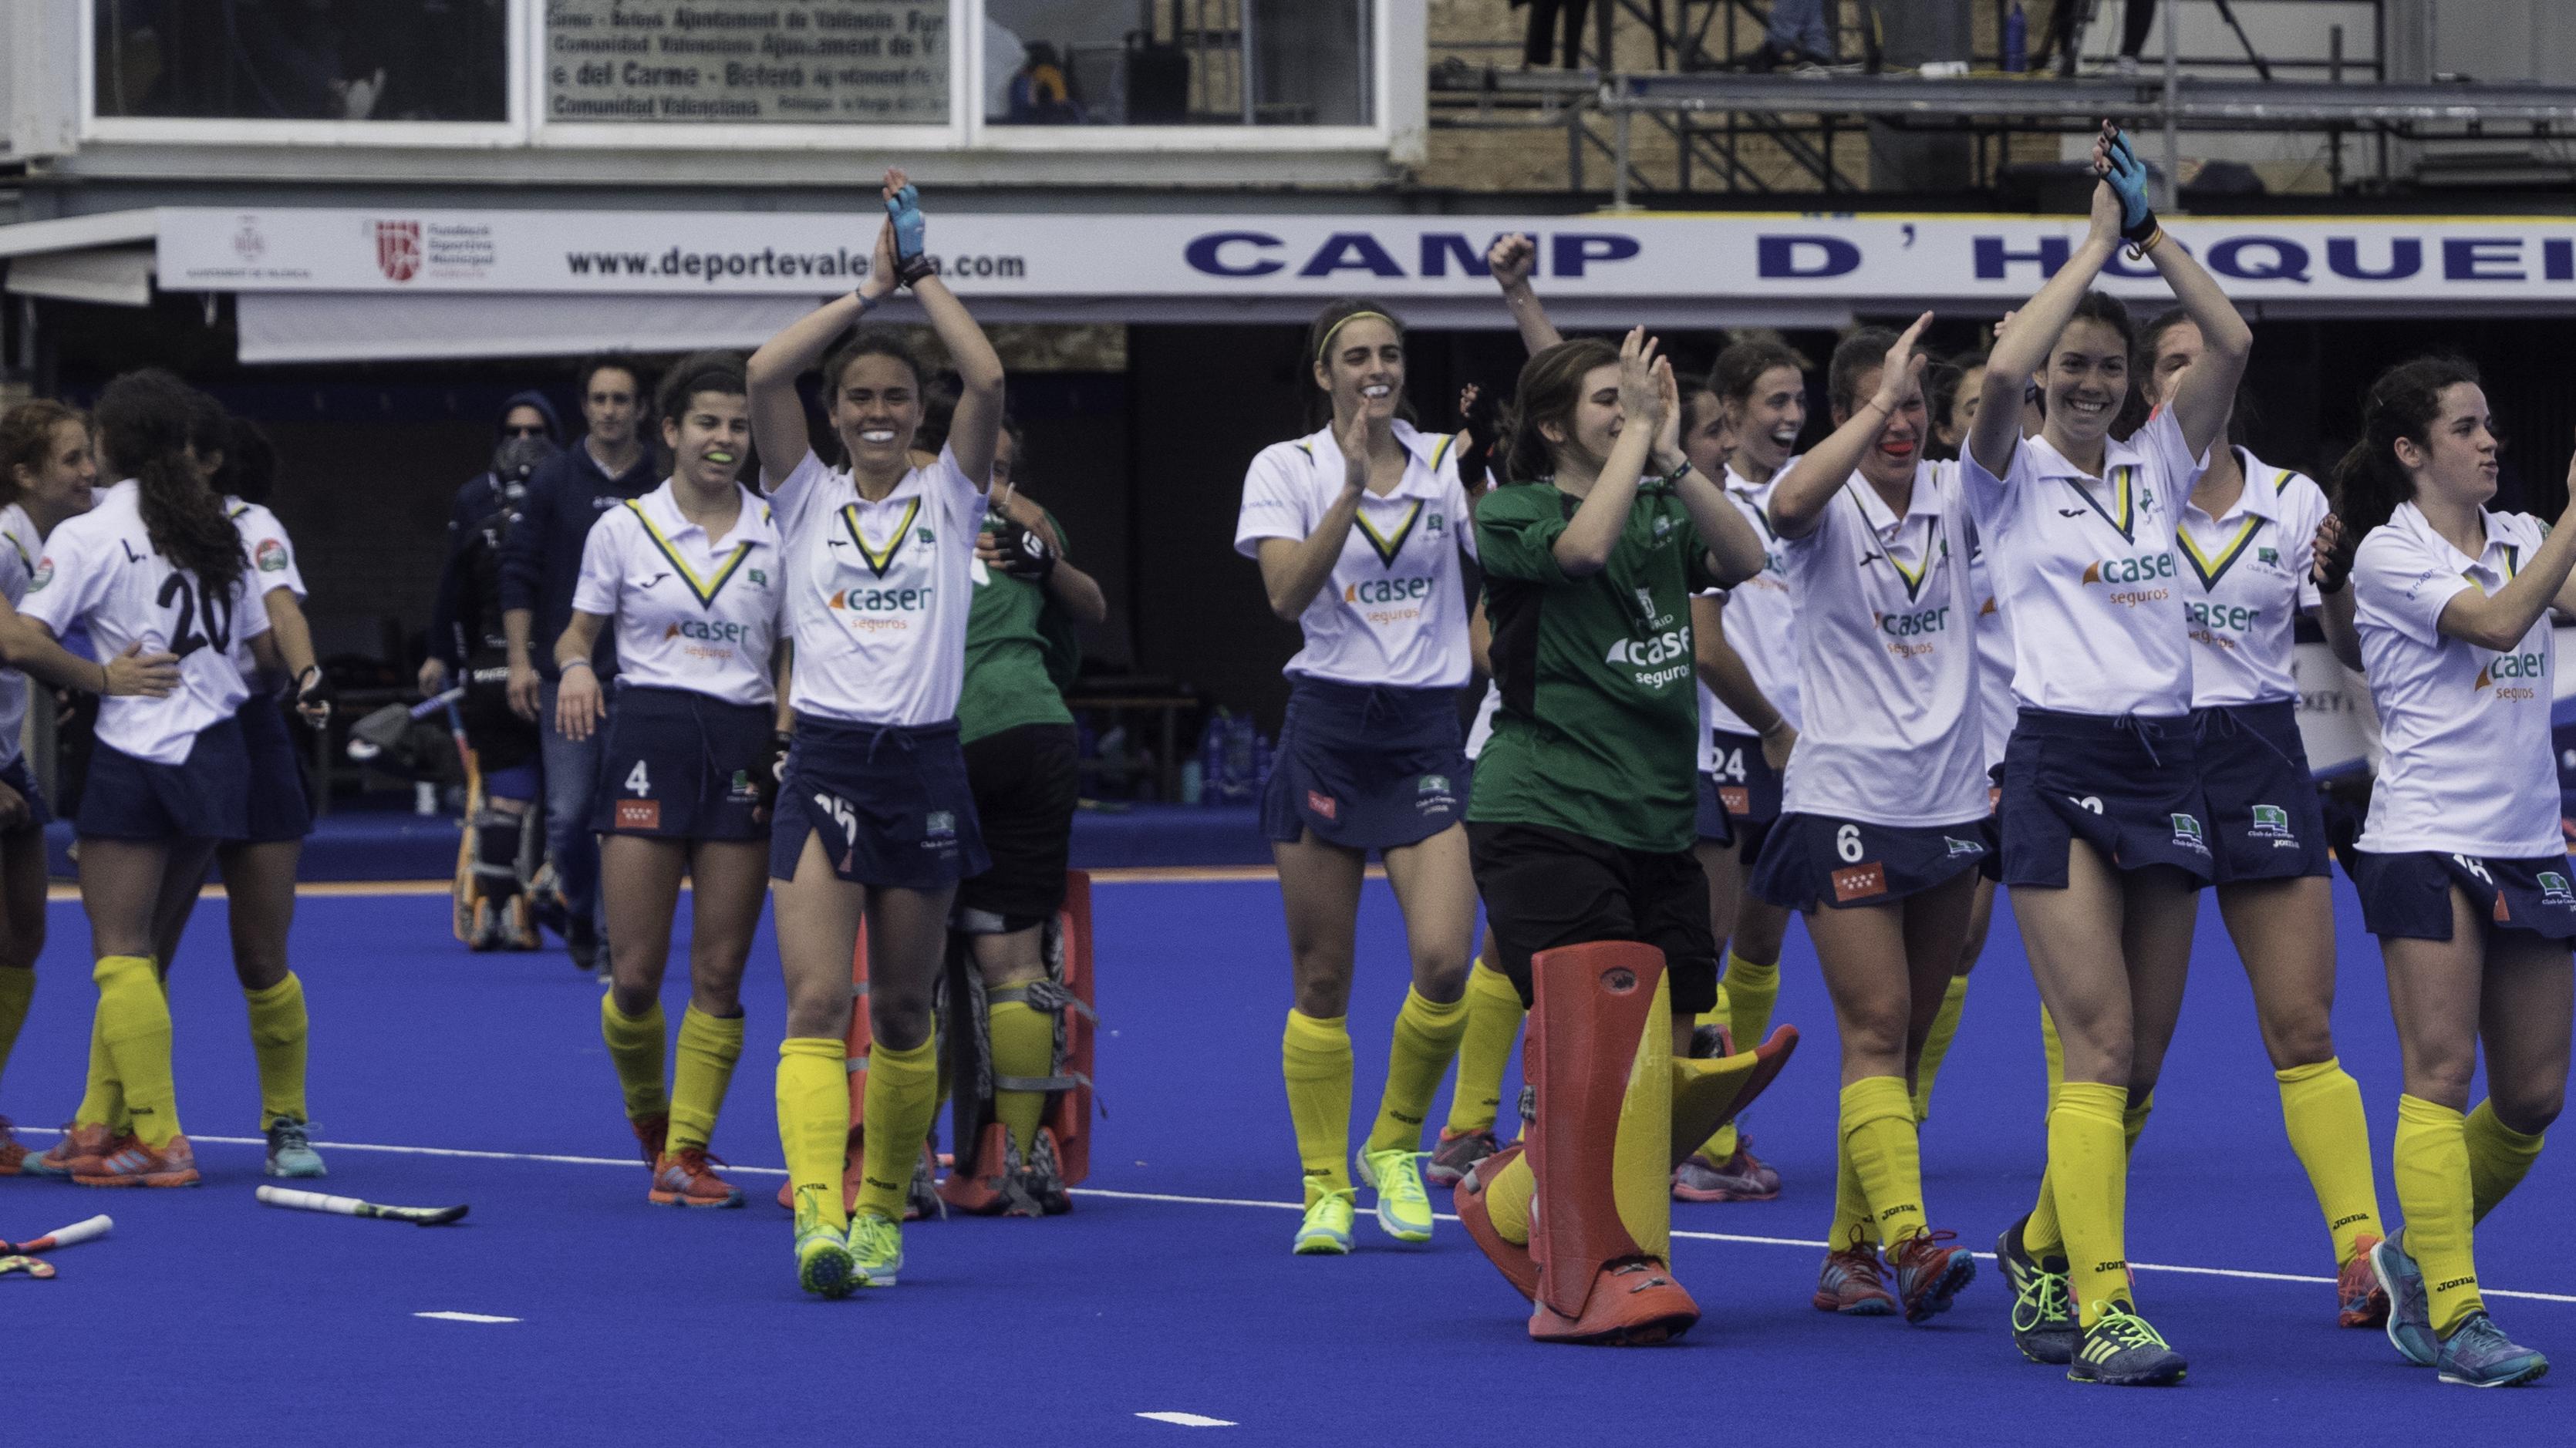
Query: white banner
x: 1857, y: 261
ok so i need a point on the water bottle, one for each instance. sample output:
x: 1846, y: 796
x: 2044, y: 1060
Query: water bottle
x: 2016, y: 40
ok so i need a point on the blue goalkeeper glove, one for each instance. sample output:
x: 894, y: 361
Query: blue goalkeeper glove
x: 2128, y: 178
x: 911, y: 264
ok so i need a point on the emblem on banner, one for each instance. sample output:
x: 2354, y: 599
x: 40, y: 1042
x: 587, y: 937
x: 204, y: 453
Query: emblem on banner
x: 398, y: 249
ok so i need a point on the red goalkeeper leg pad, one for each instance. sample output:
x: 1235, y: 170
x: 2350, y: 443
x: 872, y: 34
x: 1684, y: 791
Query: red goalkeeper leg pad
x: 975, y: 1186
x: 1707, y: 1094
x: 1599, y: 1059
x: 1513, y: 1258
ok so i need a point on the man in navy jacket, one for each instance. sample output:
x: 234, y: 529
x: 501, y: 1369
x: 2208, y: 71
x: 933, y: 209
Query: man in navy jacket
x: 539, y: 566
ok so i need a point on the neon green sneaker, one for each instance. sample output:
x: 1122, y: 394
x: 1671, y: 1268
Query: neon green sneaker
x: 1403, y: 1206
x: 1326, y: 1231
x: 822, y: 1260
x: 876, y: 1249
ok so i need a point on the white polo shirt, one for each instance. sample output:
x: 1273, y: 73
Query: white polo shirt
x: 1997, y: 709
x: 19, y: 549
x: 1888, y: 659
x: 272, y: 566
x: 2087, y: 569
x: 878, y: 593
x: 99, y: 570
x: 2468, y: 767
x: 2244, y: 578
x: 1761, y: 621
x: 692, y: 612
x: 1394, y: 611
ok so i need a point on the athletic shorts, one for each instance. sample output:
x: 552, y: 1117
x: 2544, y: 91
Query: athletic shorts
x: 17, y: 776
x: 1813, y: 860
x: 279, y: 807
x: 1545, y: 888
x: 1025, y: 785
x: 2266, y: 821
x: 890, y: 801
x: 1745, y: 780
x: 2408, y: 896
x: 206, y: 798
x: 681, y: 765
x: 2129, y: 787
x: 1366, y: 768
x: 1715, y: 828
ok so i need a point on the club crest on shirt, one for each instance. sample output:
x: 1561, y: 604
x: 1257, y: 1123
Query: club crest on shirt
x: 271, y: 557
x: 1960, y: 847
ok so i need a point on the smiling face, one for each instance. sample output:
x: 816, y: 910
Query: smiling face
x: 2457, y: 459
x: 1768, y: 421
x: 69, y: 471
x: 2087, y: 380
x: 1707, y: 437
x: 611, y: 403
x: 876, y: 408
x: 709, y: 439
x: 1588, y: 434
x: 1889, y: 460
x: 1362, y: 368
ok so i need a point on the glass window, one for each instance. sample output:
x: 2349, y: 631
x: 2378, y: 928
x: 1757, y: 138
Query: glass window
x: 303, y: 60
x: 848, y: 62
x: 1178, y: 62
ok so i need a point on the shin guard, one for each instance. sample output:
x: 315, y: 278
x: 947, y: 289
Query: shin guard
x: 1599, y: 1060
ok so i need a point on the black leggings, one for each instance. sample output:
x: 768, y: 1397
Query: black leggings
x: 1541, y: 12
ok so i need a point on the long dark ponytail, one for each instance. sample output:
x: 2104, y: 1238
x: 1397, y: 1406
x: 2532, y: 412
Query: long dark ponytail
x: 2403, y: 403
x: 143, y: 428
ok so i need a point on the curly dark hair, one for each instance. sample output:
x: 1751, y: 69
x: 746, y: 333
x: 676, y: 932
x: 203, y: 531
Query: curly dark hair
x: 144, y: 422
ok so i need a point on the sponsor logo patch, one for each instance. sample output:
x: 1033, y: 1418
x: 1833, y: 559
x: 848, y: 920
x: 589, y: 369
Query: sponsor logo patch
x: 1859, y: 882
x: 741, y: 791
x: 2186, y: 830
x: 939, y: 824
x: 43, y: 575
x: 2271, y: 822
x: 639, y: 814
x: 1737, y: 799
x: 1323, y: 804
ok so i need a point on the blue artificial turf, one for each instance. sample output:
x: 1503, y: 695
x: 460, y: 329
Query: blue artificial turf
x: 221, y: 1321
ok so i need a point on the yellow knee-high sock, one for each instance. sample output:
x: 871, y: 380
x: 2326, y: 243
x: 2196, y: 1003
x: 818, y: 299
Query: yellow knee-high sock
x: 1484, y: 1049
x: 2431, y: 1165
x: 2499, y: 1157
x: 103, y: 1099
x: 2321, y: 1106
x: 701, y: 1072
x: 903, y: 1096
x: 2088, y: 1165
x: 1507, y: 1200
x: 1023, y: 1042
x: 1878, y: 1136
x: 1854, y: 1226
x: 1936, y: 1047
x: 1315, y: 1056
x: 814, y: 1123
x: 1722, y: 1143
x: 2043, y: 1235
x: 1426, y: 1038
x: 635, y: 1049
x: 1752, y: 989
x: 134, y: 1022
x: 278, y: 1028
x: 17, y: 988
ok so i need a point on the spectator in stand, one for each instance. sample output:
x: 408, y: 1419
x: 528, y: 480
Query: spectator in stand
x: 540, y: 562
x: 1541, y: 15
x: 1797, y: 35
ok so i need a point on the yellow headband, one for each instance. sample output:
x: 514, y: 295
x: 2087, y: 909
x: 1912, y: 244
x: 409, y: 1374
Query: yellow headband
x: 1325, y: 346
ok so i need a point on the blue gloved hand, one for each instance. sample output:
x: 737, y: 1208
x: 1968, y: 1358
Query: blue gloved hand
x: 911, y: 265
x: 2128, y: 178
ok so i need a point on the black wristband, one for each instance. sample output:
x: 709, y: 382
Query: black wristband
x: 910, y: 270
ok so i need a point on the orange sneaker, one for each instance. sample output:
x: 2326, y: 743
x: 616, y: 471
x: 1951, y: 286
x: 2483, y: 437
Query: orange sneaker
x: 135, y: 1164
x: 651, y: 1133
x: 82, y: 1148
x: 683, y: 1178
x: 1853, y: 1283
x: 2359, y: 1299
x: 1929, y: 1272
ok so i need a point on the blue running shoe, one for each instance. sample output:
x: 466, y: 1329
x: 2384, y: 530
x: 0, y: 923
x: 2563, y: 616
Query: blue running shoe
x: 2120, y: 1349
x: 2410, y: 1315
x: 2477, y: 1354
x: 290, y: 1149
x: 2043, y: 1316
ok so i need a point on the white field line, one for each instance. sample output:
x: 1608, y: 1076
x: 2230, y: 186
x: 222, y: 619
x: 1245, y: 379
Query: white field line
x: 1738, y: 1238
